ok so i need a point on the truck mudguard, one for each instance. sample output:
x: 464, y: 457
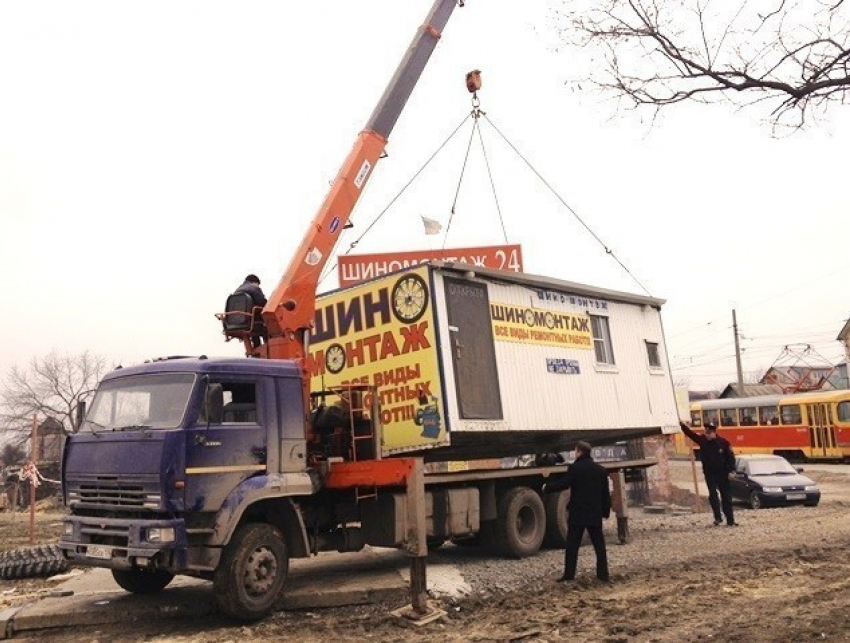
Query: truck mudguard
x: 271, y: 497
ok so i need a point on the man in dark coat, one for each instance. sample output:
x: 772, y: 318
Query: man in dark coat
x: 590, y: 502
x: 718, y: 467
x: 251, y: 287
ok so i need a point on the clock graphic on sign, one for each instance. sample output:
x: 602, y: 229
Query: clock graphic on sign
x: 409, y: 298
x: 335, y: 358
x: 529, y: 317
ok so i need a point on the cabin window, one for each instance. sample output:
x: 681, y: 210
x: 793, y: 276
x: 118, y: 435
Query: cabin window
x: 768, y: 415
x: 748, y: 416
x: 710, y: 417
x: 652, y: 355
x: 729, y: 417
x: 696, y: 418
x: 602, y: 340
x: 844, y: 411
x: 240, y: 404
x: 791, y: 414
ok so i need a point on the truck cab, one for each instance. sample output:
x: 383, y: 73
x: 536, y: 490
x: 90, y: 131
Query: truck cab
x: 158, y: 475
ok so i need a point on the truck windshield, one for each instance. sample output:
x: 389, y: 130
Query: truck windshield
x: 140, y: 402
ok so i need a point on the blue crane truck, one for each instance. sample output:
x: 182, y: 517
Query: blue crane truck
x: 226, y: 468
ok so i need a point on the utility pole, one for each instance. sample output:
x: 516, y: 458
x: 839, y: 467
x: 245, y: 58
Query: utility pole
x: 738, y: 355
x: 32, y: 480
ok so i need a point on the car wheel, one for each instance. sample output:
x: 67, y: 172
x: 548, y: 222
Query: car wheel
x: 755, y: 500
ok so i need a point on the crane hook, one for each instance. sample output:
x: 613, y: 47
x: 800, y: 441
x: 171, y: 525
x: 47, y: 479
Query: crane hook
x: 473, y: 84
x: 473, y: 81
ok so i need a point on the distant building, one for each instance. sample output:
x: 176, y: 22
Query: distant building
x: 699, y: 396
x: 51, y: 433
x: 844, y: 338
x: 799, y: 379
x: 750, y: 390
x: 840, y: 378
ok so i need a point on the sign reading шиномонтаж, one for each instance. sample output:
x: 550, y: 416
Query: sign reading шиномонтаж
x: 512, y: 323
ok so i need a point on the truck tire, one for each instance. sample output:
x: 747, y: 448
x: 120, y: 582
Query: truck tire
x: 251, y: 573
x: 31, y: 562
x: 556, y: 519
x: 142, y: 581
x: 521, y: 523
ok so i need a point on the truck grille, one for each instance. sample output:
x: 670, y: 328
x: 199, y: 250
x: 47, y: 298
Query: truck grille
x: 114, y: 493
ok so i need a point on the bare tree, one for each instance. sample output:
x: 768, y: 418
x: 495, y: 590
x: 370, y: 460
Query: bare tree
x: 51, y: 387
x: 11, y: 454
x: 793, y: 55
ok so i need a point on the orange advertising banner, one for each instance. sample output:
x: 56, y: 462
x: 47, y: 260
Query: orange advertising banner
x: 355, y: 269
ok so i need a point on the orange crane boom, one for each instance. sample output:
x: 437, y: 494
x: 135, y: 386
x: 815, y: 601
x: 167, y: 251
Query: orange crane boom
x: 290, y: 310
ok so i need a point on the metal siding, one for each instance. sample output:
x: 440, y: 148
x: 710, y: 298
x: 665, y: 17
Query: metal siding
x: 533, y: 399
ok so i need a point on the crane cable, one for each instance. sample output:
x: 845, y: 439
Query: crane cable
x: 460, y: 178
x: 608, y: 250
x: 354, y: 243
x: 476, y: 114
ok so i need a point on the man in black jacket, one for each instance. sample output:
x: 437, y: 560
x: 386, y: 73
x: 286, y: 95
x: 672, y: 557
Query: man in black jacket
x: 718, y: 466
x: 251, y: 287
x: 590, y: 502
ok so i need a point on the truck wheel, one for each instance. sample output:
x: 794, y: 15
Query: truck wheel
x: 142, y: 581
x: 521, y: 525
x: 251, y: 573
x: 556, y: 519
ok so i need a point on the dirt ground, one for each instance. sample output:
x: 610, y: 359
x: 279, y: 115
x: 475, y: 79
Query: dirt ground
x: 755, y: 588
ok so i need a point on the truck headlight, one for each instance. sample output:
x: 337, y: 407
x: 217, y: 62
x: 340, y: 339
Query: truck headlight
x: 772, y: 489
x: 68, y: 529
x: 811, y: 487
x: 161, y: 535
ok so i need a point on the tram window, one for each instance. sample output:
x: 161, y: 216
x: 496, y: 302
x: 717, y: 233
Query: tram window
x: 748, y: 417
x: 729, y: 417
x: 710, y: 416
x: 844, y: 411
x: 768, y: 415
x: 791, y: 414
x: 696, y: 418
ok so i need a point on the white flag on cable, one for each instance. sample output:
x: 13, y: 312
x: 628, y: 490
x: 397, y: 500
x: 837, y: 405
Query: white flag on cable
x: 431, y: 226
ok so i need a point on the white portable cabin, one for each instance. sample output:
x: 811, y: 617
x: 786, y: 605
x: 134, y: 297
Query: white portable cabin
x: 474, y: 363
x: 554, y: 362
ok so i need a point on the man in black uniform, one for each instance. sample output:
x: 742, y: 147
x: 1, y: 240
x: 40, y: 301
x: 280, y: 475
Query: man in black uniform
x: 718, y: 466
x: 590, y: 502
x: 251, y: 287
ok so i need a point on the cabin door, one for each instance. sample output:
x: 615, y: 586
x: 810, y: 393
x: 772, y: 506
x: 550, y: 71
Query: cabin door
x: 473, y: 351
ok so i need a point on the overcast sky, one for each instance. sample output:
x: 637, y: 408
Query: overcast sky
x: 153, y: 153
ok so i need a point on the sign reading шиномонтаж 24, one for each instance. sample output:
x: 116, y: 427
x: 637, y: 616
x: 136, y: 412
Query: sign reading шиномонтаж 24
x: 354, y: 269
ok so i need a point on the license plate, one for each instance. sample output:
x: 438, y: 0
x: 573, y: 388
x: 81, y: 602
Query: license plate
x: 795, y: 496
x: 98, y: 551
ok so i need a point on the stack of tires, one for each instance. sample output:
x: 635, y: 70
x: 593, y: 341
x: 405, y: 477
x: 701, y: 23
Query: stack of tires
x: 31, y: 562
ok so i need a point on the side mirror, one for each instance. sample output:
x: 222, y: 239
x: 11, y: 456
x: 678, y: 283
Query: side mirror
x: 80, y: 415
x: 214, y: 403
x: 799, y: 469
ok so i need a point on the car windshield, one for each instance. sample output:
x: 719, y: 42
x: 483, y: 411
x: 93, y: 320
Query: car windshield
x: 140, y: 402
x: 770, y: 466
